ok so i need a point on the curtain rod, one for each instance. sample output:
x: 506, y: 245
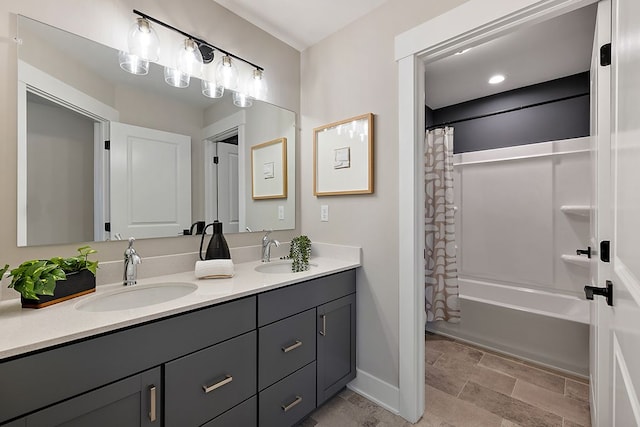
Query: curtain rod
x: 509, y: 110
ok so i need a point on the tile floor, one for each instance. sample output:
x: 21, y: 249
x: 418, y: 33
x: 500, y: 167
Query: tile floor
x: 467, y: 386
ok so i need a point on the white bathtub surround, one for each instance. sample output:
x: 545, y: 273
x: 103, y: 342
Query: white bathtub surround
x: 441, y: 272
x: 22, y: 331
x: 522, y: 213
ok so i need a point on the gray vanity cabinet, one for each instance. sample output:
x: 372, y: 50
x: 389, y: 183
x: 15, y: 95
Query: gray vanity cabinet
x: 336, y: 346
x: 132, y: 402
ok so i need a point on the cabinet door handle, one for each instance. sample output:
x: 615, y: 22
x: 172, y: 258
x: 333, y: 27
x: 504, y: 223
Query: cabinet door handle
x: 292, y: 346
x: 152, y: 403
x: 285, y: 408
x: 227, y: 379
x: 323, y: 332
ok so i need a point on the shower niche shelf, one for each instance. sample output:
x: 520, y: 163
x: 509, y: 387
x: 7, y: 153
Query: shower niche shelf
x: 577, y: 210
x: 576, y: 259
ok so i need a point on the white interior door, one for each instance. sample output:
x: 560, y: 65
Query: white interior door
x: 625, y: 153
x: 150, y: 182
x: 599, y: 340
x: 228, y: 192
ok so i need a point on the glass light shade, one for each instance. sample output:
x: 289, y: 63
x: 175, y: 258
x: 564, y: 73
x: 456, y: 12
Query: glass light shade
x: 212, y: 89
x: 143, y: 41
x: 176, y: 78
x: 133, y: 64
x: 256, y: 85
x: 189, y: 60
x: 227, y: 73
x: 242, y: 100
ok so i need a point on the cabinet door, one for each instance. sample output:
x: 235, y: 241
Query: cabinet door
x: 134, y: 401
x: 336, y: 345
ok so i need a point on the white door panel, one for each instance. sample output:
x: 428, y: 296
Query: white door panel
x: 150, y: 183
x: 625, y: 314
x: 228, y: 191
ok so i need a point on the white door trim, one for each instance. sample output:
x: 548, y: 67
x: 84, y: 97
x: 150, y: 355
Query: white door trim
x: 470, y: 24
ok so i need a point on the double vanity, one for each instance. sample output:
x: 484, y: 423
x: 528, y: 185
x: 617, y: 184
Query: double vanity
x: 264, y: 348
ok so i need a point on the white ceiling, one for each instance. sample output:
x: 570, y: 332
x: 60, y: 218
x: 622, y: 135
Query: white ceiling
x: 552, y: 49
x: 300, y: 23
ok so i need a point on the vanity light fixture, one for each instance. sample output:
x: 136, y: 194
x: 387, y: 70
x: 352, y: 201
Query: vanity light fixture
x: 191, y: 58
x: 498, y: 78
x: 242, y: 100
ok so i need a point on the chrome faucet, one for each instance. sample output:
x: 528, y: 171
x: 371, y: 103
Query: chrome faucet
x: 131, y: 261
x: 266, y: 246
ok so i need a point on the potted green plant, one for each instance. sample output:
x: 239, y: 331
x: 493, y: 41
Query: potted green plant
x: 299, y: 252
x: 39, y: 281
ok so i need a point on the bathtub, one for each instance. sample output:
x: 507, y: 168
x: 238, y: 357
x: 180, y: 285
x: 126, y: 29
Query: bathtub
x: 542, y: 327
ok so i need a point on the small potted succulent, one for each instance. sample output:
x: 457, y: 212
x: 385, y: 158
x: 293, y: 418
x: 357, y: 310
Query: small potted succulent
x: 299, y: 252
x: 45, y: 282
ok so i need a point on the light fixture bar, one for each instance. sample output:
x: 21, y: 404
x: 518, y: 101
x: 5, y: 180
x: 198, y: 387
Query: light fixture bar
x: 196, y: 39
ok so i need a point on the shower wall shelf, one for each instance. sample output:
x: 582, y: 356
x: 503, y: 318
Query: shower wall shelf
x: 576, y: 259
x: 578, y: 210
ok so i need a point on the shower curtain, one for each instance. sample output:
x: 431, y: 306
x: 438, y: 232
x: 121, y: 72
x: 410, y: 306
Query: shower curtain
x: 441, y: 274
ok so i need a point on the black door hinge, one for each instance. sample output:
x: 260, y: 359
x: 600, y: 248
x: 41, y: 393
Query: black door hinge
x: 605, y: 248
x: 605, y: 55
x: 216, y: 160
x: 607, y: 292
x: 107, y: 145
x: 107, y: 226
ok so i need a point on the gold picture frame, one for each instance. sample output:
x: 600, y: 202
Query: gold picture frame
x: 343, y: 157
x: 269, y: 170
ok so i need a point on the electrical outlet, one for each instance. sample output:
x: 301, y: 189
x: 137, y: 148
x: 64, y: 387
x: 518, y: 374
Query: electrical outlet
x: 324, y: 213
x: 281, y: 213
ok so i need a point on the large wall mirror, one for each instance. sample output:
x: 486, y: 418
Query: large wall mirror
x: 104, y: 154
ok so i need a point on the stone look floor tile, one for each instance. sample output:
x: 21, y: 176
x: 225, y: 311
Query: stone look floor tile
x: 568, y: 408
x: 507, y: 423
x: 494, y: 380
x: 577, y: 390
x: 457, y: 412
x: 384, y: 417
x: 523, y: 372
x: 509, y: 408
x: 431, y: 356
x: 444, y: 380
x: 568, y: 423
x: 339, y: 412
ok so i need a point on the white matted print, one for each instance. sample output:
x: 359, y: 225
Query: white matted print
x: 343, y: 157
x: 269, y: 170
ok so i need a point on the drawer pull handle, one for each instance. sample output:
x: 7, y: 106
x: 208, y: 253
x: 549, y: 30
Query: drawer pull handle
x: 285, y: 408
x: 227, y: 379
x: 292, y: 346
x: 323, y: 332
x: 152, y: 403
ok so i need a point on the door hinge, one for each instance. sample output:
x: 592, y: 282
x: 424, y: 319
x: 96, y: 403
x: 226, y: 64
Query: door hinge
x: 107, y: 226
x: 605, y: 247
x: 605, y: 55
x: 107, y: 145
x: 606, y: 292
x: 216, y: 160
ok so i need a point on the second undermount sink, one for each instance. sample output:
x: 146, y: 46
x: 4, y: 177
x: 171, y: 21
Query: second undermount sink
x: 136, y: 296
x: 279, y: 267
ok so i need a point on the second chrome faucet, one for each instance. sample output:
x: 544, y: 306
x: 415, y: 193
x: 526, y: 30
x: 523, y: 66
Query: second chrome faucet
x: 131, y: 261
x: 266, y: 246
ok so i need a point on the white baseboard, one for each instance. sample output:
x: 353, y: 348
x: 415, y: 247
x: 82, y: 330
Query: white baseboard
x: 376, y: 390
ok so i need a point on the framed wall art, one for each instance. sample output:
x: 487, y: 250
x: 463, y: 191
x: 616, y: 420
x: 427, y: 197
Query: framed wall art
x: 269, y: 170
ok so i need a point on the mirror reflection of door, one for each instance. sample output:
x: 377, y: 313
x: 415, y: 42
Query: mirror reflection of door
x: 227, y: 183
x: 60, y: 174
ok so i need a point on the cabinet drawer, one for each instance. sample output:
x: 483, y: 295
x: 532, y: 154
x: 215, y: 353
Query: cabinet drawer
x: 243, y: 415
x: 284, y: 302
x: 286, y: 346
x: 202, y: 385
x: 289, y: 400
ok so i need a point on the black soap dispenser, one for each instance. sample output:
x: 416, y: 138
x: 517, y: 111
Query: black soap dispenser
x: 218, y: 248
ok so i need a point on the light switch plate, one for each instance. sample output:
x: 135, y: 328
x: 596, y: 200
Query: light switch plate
x: 281, y: 213
x: 324, y: 213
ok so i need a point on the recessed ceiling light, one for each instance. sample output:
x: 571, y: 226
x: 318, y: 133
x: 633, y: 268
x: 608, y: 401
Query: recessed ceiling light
x: 498, y: 78
x: 462, y: 51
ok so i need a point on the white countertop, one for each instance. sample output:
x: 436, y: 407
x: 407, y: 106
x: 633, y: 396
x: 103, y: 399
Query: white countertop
x: 26, y: 330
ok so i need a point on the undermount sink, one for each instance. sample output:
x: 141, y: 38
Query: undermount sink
x: 136, y: 296
x: 279, y: 267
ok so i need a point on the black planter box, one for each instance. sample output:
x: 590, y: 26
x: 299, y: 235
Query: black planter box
x: 77, y: 284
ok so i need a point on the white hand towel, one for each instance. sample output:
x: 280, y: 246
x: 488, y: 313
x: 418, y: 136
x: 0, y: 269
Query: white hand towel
x: 214, y: 269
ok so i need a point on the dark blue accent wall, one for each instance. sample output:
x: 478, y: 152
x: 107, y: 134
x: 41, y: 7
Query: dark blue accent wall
x: 563, y: 113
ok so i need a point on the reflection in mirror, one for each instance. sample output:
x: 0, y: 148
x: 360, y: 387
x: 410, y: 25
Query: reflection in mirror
x: 104, y: 154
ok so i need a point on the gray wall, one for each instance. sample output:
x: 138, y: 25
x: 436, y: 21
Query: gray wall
x: 558, y: 117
